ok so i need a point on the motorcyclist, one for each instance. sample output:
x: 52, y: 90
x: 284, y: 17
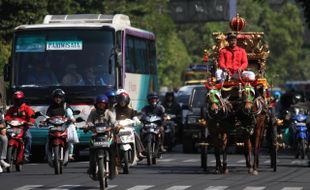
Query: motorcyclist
x: 172, y: 107
x: 59, y: 107
x: 101, y: 114
x: 24, y: 112
x: 3, y: 144
x: 123, y: 111
x: 155, y: 108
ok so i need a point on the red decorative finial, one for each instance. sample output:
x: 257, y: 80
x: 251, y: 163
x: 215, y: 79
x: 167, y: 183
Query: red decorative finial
x: 237, y: 23
x: 205, y: 56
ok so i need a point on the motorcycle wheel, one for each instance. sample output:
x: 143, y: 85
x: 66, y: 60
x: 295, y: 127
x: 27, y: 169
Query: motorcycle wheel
x: 149, y: 153
x: 18, y: 167
x: 10, y: 158
x: 303, y: 148
x: 107, y: 169
x: 56, y: 160
x: 101, y: 175
x: 125, y: 160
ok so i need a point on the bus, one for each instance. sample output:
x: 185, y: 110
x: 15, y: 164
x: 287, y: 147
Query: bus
x: 106, y: 45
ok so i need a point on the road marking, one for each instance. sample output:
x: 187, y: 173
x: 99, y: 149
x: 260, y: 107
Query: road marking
x: 109, y: 187
x: 65, y: 187
x: 191, y: 160
x: 292, y: 188
x: 299, y: 162
x: 28, y: 187
x: 254, y: 188
x: 241, y: 161
x: 178, y: 187
x: 166, y: 160
x: 216, y: 188
x: 141, y: 187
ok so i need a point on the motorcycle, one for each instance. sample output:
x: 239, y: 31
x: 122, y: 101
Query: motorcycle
x: 151, y: 137
x: 100, y: 149
x: 57, y: 145
x: 170, y: 127
x: 126, y: 144
x: 299, y: 126
x: 15, y: 132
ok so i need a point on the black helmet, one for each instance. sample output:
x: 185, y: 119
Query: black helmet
x: 153, y: 98
x: 123, y: 99
x: 169, y: 97
x: 58, y: 93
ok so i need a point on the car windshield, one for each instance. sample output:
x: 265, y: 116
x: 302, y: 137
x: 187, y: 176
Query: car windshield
x: 64, y: 57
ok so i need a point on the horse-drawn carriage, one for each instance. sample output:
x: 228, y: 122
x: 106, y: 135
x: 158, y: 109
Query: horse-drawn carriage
x: 238, y: 111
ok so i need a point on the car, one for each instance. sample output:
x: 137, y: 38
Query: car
x: 192, y: 129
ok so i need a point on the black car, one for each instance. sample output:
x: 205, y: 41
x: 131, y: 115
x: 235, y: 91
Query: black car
x: 192, y: 130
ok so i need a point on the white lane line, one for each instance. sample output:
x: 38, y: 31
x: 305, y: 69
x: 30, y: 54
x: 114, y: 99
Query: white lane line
x: 241, y: 161
x: 141, y: 187
x: 216, y: 188
x: 166, y: 160
x: 299, y: 162
x: 65, y: 187
x: 292, y: 188
x: 178, y: 187
x: 254, y: 188
x: 191, y: 160
x: 28, y: 187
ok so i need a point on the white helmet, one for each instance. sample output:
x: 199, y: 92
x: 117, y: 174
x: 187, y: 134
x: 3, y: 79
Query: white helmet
x: 119, y: 91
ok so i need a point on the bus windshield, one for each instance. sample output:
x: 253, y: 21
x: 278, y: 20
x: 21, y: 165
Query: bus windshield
x: 64, y: 57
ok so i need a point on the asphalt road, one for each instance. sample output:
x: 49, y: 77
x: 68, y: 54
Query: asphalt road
x: 175, y: 171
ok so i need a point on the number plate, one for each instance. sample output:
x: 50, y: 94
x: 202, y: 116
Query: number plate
x: 102, y: 144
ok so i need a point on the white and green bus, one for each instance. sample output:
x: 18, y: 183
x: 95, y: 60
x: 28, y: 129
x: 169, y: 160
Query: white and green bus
x: 107, y: 46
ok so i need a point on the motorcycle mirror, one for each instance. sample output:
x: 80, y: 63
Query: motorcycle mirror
x: 37, y: 114
x: 76, y: 112
x: 79, y: 119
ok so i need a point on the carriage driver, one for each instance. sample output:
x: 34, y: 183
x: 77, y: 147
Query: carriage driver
x: 232, y: 61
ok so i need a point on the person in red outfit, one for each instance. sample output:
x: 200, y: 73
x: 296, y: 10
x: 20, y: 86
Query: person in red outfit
x: 20, y: 110
x: 232, y: 59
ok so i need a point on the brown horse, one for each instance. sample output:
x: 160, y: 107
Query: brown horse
x: 218, y: 110
x: 253, y: 118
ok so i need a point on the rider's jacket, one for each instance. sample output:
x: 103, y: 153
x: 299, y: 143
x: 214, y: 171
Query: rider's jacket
x: 233, y: 59
x: 23, y: 112
x: 59, y: 110
x: 124, y: 112
x: 158, y: 110
x: 102, y: 116
x: 172, y: 108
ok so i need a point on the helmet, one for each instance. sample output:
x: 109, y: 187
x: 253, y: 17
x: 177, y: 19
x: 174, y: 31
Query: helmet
x: 153, y: 98
x: 119, y: 91
x: 169, y: 97
x: 18, y: 98
x: 111, y: 96
x: 19, y: 95
x: 123, y: 99
x: 277, y: 95
x: 102, y: 99
x: 58, y: 93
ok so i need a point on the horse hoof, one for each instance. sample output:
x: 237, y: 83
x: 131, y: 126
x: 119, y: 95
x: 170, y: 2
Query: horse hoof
x: 250, y: 170
x: 255, y: 172
x: 217, y: 172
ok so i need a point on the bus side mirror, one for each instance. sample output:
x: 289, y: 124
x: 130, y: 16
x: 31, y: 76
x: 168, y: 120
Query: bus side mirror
x: 7, y: 72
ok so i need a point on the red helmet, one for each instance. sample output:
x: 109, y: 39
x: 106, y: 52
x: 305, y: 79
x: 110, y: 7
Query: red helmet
x: 19, y: 95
